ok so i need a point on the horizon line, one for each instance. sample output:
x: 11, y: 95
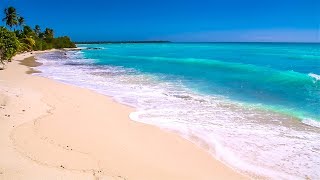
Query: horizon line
x: 167, y: 41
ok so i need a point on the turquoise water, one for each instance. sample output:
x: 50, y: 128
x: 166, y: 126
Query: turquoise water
x: 273, y: 75
x: 254, y: 106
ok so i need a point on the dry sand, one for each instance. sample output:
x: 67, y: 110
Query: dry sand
x: 49, y: 130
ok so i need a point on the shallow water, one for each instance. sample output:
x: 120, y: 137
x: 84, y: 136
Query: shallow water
x: 245, y: 103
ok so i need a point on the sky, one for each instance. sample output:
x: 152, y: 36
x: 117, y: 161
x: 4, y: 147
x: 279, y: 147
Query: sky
x: 176, y: 20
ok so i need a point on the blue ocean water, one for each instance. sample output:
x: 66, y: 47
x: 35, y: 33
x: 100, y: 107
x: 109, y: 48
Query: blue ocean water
x: 254, y: 106
x: 275, y: 75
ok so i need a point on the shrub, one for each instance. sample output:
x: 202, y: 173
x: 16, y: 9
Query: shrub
x: 63, y: 42
x: 9, y: 44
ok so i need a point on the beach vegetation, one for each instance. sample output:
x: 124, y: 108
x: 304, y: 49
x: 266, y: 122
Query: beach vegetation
x: 21, y: 21
x: 62, y: 42
x: 17, y: 37
x: 9, y: 45
x: 37, y: 30
x: 48, y: 35
x: 11, y: 17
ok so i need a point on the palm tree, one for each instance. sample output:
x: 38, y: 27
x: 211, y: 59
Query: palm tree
x: 11, y: 17
x: 21, y: 21
x: 37, y: 30
x: 48, y: 35
x: 29, y: 42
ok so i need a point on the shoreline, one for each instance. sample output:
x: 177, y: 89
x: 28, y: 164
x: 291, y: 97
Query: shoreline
x: 56, y: 126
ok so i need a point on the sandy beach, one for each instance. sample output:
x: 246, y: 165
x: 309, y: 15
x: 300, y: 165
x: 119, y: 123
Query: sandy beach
x: 50, y: 130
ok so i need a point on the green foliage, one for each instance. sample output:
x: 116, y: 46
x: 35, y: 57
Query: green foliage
x: 11, y: 17
x: 37, y: 30
x: 26, y: 38
x: 63, y: 42
x: 21, y: 21
x: 41, y: 45
x: 48, y: 35
x: 9, y: 44
x: 38, y: 45
x: 28, y: 32
x: 28, y: 42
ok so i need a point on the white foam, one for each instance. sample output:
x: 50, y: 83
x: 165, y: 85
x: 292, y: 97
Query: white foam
x: 311, y: 122
x: 250, y: 140
x: 315, y: 76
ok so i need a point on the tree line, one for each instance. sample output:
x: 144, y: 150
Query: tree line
x: 16, y: 37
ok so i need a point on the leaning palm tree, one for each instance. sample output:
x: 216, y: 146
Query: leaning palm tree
x: 11, y: 17
x: 28, y: 43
